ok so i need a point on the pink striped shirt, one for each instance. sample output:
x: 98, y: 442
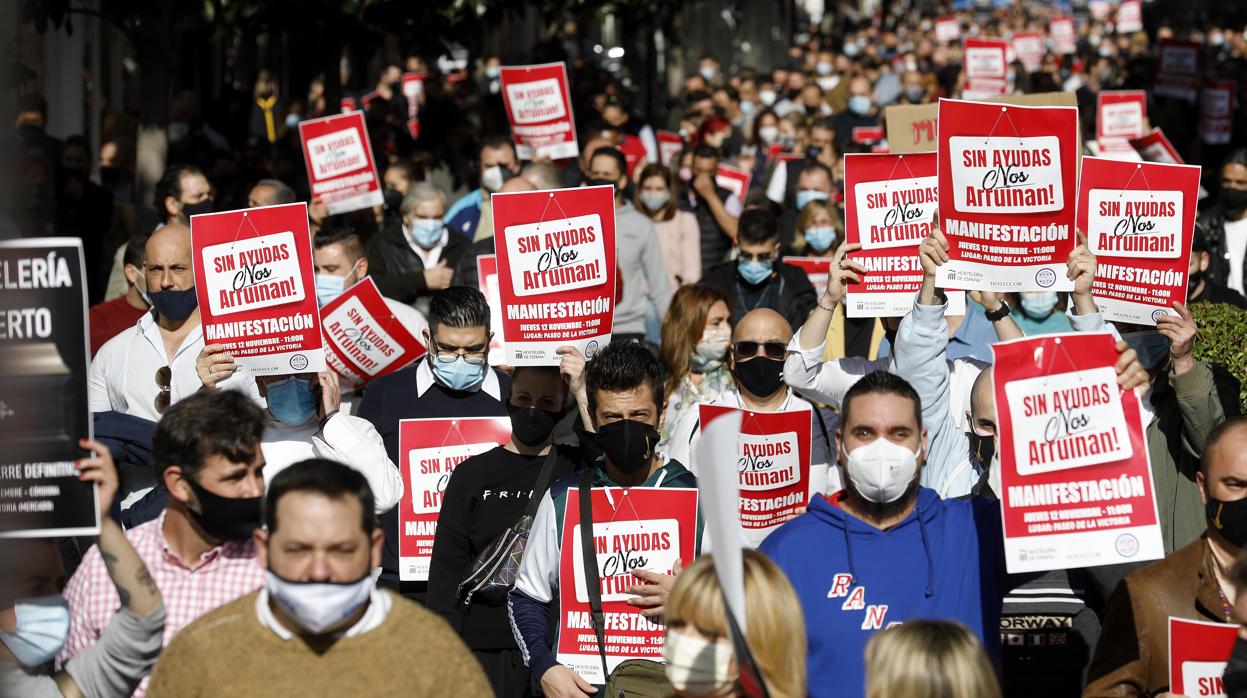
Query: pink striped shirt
x: 224, y: 573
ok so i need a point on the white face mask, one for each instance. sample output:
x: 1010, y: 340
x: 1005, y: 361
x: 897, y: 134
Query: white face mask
x: 768, y: 134
x: 41, y: 630
x: 318, y: 607
x: 881, y: 470
x: 696, y: 666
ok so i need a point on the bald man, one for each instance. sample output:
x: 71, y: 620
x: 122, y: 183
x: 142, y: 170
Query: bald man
x: 756, y: 359
x: 151, y: 365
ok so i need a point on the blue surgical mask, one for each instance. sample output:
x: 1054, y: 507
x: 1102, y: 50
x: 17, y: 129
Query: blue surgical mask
x: 1039, y: 304
x: 860, y: 104
x: 747, y: 106
x: 174, y: 305
x: 328, y: 288
x: 427, y: 232
x: 823, y: 68
x: 458, y: 374
x: 492, y: 71
x: 292, y: 121
x: 1151, y: 346
x: 707, y: 73
x: 654, y: 200
x: 805, y: 196
x: 851, y: 50
x: 820, y: 238
x: 291, y: 400
x: 753, y: 271
x: 41, y: 630
x: 915, y: 93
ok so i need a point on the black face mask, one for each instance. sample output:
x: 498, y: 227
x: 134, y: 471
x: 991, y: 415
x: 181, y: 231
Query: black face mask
x: 531, y: 426
x: 1233, y: 199
x: 204, y: 206
x: 1229, y: 519
x: 1192, y: 282
x: 225, y: 518
x: 1236, y: 671
x: 983, y: 448
x: 761, y: 376
x: 592, y: 182
x: 111, y: 176
x: 629, y: 445
x: 393, y: 199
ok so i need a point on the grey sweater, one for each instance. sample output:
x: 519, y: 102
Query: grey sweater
x: 111, y: 668
x: 641, y: 265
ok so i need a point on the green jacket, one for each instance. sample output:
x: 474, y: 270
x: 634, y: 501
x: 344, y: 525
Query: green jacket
x: 1186, y: 410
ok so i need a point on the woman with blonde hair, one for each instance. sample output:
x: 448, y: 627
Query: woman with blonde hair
x: 696, y: 622
x: 820, y: 230
x: 695, y: 336
x: 928, y: 659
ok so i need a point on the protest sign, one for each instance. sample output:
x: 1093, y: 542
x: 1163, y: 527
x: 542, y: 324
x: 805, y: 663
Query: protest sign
x: 1216, y: 111
x: 487, y: 281
x: 912, y: 128
x: 866, y: 135
x: 1198, y: 654
x: 772, y: 465
x: 1099, y: 9
x: 1061, y: 31
x: 1129, y: 17
x: 1177, y: 69
x: 633, y: 150
x: 636, y: 528
x: 816, y: 268
x: 986, y: 66
x: 1154, y: 146
x: 733, y: 179
x: 429, y: 450
x: 1008, y: 174
x: 890, y: 203
x: 539, y: 108
x: 363, y: 338
x: 1121, y: 114
x: 254, y: 282
x: 347, y: 104
x: 719, y: 492
x: 340, y: 168
x: 1029, y: 48
x: 1074, y: 465
x: 556, y: 271
x: 669, y: 147
x: 43, y: 390
x: 947, y: 29
x: 413, y: 90
x: 1139, y: 219
x: 1114, y: 149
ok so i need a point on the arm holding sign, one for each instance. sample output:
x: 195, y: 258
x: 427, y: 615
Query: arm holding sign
x: 572, y: 367
x: 703, y: 186
x: 804, y: 369
x: 1191, y: 381
x: 932, y: 253
x: 214, y: 365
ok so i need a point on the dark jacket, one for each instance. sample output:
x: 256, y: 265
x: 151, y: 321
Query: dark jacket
x: 788, y: 292
x: 397, y: 269
x: 1212, y: 224
x: 1132, y: 656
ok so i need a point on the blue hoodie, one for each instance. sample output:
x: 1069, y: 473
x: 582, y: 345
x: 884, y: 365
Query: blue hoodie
x: 943, y: 561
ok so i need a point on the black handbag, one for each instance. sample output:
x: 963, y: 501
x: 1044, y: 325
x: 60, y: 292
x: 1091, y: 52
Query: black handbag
x: 493, y: 573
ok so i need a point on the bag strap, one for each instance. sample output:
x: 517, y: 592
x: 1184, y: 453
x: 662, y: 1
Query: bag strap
x: 590, y: 559
x: 543, y: 482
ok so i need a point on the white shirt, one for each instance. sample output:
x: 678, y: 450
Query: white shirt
x: 1236, y: 248
x: 345, y: 439
x: 122, y: 376
x: 779, y: 183
x: 425, y: 380
x: 379, y: 604
x: 429, y: 257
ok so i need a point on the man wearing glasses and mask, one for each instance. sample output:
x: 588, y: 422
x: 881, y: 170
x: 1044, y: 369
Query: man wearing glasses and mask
x: 756, y: 359
x: 452, y: 380
x: 153, y: 364
x: 758, y: 279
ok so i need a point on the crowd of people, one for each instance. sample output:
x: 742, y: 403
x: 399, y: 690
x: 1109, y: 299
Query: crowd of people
x: 249, y: 540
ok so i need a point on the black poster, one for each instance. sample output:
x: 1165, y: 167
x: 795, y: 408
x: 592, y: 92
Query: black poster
x: 43, y: 390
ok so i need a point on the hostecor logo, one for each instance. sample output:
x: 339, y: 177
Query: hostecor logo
x: 1158, y: 314
x: 592, y: 349
x: 1045, y: 277
x: 1127, y: 545
x: 298, y: 362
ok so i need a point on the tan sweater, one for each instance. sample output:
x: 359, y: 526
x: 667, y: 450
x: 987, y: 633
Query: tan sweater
x: 228, y: 653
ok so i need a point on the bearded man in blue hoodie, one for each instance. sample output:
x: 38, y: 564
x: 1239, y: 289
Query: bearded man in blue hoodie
x: 883, y: 550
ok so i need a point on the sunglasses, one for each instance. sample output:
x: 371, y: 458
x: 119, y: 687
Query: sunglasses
x: 772, y: 350
x: 164, y: 376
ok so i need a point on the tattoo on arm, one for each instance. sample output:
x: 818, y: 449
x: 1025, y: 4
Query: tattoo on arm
x: 144, y: 578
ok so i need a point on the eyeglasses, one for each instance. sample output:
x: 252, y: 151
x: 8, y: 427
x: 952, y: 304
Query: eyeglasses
x: 476, y: 358
x: 773, y: 350
x: 164, y: 376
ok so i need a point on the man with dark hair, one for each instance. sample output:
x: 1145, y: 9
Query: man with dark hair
x: 1201, y: 286
x: 759, y: 278
x: 110, y: 318
x: 715, y: 208
x: 319, y: 619
x: 452, y: 380
x: 31, y: 139
x: 181, y: 192
x: 206, y: 452
x: 624, y: 395
x: 1224, y: 225
x: 1132, y: 656
x: 888, y: 549
x: 498, y: 163
x: 270, y: 192
x: 340, y: 261
x: 638, y: 256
